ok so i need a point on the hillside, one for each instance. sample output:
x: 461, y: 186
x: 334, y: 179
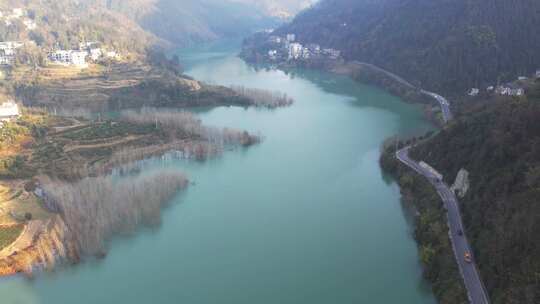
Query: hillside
x: 498, y: 142
x: 65, y: 23
x: 135, y: 24
x: 444, y: 46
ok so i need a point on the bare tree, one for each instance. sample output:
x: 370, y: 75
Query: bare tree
x: 264, y: 98
x: 95, y: 209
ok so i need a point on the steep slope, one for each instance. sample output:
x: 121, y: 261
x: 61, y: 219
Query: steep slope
x: 65, y: 23
x: 442, y: 45
x: 498, y: 142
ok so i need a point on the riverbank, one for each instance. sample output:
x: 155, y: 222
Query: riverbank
x: 431, y: 231
x: 40, y: 150
x: 363, y: 73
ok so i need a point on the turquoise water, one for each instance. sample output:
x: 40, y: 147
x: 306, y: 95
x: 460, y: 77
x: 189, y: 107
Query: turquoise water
x: 304, y: 217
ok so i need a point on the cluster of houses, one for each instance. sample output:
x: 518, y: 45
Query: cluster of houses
x: 78, y: 58
x: 7, y: 51
x: 8, y: 17
x: 509, y: 89
x: 286, y: 48
x: 8, y: 110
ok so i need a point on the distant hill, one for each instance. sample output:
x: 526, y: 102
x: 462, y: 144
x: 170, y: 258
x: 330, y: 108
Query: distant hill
x: 184, y: 22
x: 443, y: 45
x: 284, y: 9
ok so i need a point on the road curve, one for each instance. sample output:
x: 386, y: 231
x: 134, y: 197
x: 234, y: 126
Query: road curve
x: 445, y: 105
x: 473, y: 283
x: 443, y: 102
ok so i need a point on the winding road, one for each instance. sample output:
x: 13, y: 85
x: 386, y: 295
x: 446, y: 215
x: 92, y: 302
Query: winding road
x: 469, y: 271
x: 443, y: 102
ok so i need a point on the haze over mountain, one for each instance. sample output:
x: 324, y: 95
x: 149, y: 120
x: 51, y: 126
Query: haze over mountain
x: 442, y: 45
x: 190, y: 21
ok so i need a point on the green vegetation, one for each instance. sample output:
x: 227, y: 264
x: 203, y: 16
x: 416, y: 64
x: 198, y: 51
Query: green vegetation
x: 443, y: 46
x: 9, y: 234
x: 498, y: 142
x: 431, y: 231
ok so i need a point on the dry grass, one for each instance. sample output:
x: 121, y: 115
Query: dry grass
x: 8, y: 234
x: 15, y: 203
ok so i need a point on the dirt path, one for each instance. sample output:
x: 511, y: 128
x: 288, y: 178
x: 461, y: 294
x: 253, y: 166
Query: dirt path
x: 25, y: 239
x: 103, y: 145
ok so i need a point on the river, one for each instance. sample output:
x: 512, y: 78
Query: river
x: 306, y: 216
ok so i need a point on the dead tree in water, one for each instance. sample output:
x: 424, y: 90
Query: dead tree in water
x: 95, y: 209
x: 264, y: 98
x: 181, y: 124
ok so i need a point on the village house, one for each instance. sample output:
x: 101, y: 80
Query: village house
x: 314, y: 48
x: 537, y: 74
x: 291, y: 37
x: 306, y: 53
x: 295, y: 50
x: 490, y: 88
x: 275, y: 39
x: 521, y: 78
x: 7, y: 52
x: 6, y: 59
x: 9, y: 110
x: 71, y: 57
x: 509, y: 90
x: 95, y: 54
x: 474, y: 92
x: 332, y: 53
x: 30, y: 24
x: 17, y: 13
x: 272, y: 54
x: 113, y: 55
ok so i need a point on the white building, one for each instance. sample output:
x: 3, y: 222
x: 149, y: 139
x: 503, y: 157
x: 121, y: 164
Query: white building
x: 17, y: 13
x: 522, y: 78
x: 314, y: 48
x: 306, y: 53
x: 275, y: 39
x: 9, y: 110
x: 113, y: 55
x: 474, y: 92
x: 10, y: 46
x: 30, y: 24
x: 332, y: 53
x: 510, y: 91
x: 272, y: 54
x: 6, y: 59
x: 490, y: 88
x: 537, y: 74
x: 291, y: 37
x: 95, y: 54
x: 77, y: 58
x: 295, y: 50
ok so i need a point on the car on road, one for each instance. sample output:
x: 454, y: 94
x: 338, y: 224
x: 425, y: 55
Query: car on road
x: 468, y: 257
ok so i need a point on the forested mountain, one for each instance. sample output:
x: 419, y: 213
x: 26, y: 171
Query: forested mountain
x: 498, y: 142
x: 65, y: 23
x: 443, y: 45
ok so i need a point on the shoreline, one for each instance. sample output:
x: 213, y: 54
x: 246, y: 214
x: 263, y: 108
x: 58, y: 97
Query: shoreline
x: 370, y: 74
